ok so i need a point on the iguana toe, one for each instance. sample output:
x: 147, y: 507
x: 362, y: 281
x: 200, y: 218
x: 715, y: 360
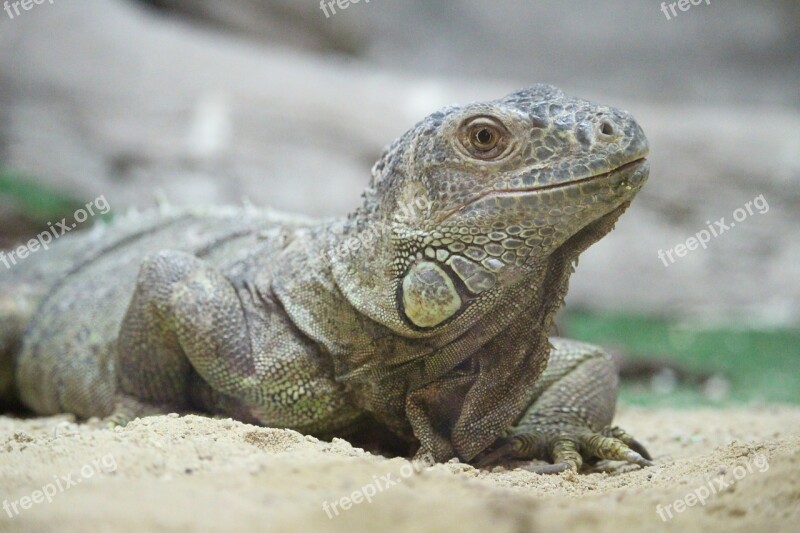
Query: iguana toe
x: 633, y: 444
x: 116, y: 419
x: 127, y: 409
x: 568, y: 450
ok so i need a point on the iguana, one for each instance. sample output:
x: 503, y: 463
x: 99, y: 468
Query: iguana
x: 425, y: 313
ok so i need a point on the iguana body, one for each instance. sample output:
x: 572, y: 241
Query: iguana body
x: 426, y: 312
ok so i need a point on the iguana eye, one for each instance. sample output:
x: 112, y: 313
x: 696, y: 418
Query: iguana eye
x: 484, y: 137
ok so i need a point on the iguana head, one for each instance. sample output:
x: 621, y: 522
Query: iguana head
x: 475, y: 198
x: 462, y: 253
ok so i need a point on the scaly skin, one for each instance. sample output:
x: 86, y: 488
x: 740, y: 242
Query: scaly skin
x: 426, y: 312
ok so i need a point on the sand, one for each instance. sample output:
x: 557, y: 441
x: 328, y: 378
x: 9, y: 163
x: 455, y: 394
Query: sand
x: 195, y: 473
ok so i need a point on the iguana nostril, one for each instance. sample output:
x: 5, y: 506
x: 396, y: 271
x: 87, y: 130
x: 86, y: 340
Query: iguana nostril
x: 608, y: 129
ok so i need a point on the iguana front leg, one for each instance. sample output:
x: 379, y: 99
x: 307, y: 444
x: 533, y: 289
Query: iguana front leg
x: 166, y: 324
x: 569, y: 418
x: 187, y: 320
x: 152, y: 368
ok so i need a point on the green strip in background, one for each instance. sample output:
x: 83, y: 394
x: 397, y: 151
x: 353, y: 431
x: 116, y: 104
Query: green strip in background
x: 761, y: 366
x: 39, y: 203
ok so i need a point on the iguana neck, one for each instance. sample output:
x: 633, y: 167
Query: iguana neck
x: 355, y: 283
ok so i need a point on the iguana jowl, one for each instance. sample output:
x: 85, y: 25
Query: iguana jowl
x: 426, y: 312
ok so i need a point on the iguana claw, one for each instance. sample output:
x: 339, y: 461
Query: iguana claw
x: 568, y: 450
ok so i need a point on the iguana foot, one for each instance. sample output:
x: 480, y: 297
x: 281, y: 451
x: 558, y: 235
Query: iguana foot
x: 569, y: 449
x: 128, y: 409
x: 568, y: 421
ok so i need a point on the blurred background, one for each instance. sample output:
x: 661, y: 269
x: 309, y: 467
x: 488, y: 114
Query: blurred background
x: 287, y: 105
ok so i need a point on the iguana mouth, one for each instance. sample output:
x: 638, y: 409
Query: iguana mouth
x: 622, y: 168
x: 632, y: 169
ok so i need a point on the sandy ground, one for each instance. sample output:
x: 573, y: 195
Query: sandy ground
x: 193, y: 473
